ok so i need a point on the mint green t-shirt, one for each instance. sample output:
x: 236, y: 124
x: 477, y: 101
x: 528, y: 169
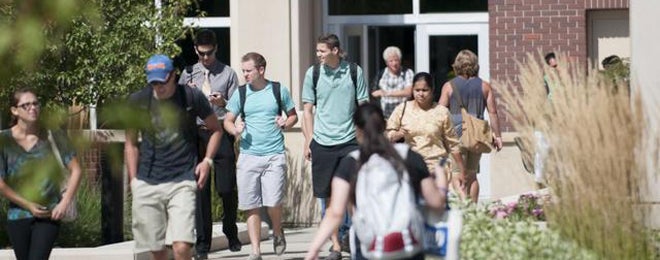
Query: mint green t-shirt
x: 335, y: 102
x: 261, y: 136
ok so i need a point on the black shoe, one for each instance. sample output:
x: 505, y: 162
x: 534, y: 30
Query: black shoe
x: 235, y: 245
x: 345, y: 243
x: 201, y: 256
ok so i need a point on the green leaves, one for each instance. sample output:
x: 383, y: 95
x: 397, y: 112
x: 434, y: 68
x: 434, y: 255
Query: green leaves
x: 85, y: 52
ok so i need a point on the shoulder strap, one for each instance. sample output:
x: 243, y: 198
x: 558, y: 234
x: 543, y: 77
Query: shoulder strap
x: 278, y: 97
x: 458, y: 94
x: 56, y: 151
x: 353, y: 70
x: 316, y: 70
x: 405, y: 103
x: 241, y: 98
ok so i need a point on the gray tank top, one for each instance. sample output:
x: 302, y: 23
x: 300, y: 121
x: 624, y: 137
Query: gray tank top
x: 473, y: 99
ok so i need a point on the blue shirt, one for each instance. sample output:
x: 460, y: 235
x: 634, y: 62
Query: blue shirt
x: 261, y: 136
x: 34, y: 174
x: 335, y: 102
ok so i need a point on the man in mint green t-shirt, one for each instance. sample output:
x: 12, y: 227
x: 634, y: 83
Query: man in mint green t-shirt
x: 329, y: 130
x: 261, y: 167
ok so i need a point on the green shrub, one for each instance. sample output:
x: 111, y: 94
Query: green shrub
x: 484, y: 237
x: 85, y: 231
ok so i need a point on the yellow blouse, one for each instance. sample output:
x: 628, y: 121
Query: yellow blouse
x: 428, y: 132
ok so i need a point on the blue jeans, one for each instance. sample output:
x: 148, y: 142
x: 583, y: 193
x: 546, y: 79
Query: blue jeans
x: 344, y: 227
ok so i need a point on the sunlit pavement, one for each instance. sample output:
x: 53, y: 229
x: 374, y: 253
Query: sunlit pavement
x: 298, y: 241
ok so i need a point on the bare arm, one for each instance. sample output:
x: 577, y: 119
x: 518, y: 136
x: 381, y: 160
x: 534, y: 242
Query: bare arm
x: 446, y: 93
x: 405, y: 92
x: 71, y: 189
x: 308, y: 128
x: 230, y: 124
x: 291, y: 120
x: 333, y: 216
x: 203, y: 167
x: 491, y: 105
x: 131, y: 153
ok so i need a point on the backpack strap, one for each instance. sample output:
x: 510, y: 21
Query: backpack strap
x: 278, y: 97
x: 316, y: 71
x: 242, y: 92
x: 241, y: 98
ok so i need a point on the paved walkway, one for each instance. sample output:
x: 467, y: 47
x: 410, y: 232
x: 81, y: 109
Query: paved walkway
x: 298, y: 241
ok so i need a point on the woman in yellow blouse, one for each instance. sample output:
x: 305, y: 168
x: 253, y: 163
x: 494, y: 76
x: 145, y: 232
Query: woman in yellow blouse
x: 425, y: 125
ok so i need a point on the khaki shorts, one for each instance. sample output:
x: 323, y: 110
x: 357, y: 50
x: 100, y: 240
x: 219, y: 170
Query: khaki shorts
x: 471, y: 161
x: 163, y: 213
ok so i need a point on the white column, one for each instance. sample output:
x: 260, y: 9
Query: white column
x: 644, y: 80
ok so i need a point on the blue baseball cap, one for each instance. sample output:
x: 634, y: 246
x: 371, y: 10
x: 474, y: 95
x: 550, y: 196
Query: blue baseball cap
x: 158, y: 67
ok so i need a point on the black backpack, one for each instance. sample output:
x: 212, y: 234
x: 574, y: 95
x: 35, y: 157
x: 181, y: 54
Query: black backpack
x: 316, y: 70
x: 185, y: 97
x: 276, y: 92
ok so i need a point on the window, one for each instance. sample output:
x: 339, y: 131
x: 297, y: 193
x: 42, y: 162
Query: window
x: 366, y: 7
x: 452, y: 6
x: 213, y: 8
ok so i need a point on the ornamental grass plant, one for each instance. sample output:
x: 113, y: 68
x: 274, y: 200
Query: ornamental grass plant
x: 596, y: 131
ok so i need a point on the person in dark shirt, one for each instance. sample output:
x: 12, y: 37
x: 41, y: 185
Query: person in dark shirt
x: 370, y: 127
x: 163, y: 169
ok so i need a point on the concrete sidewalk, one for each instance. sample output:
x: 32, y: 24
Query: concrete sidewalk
x: 126, y: 250
x: 298, y: 241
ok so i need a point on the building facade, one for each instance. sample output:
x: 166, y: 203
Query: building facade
x: 430, y: 34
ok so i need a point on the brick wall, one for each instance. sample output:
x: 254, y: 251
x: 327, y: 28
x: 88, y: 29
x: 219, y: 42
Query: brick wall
x: 518, y: 27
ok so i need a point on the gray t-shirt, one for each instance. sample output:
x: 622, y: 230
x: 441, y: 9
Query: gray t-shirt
x: 223, y: 80
x: 168, y: 150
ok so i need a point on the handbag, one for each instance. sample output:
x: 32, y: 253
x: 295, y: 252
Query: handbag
x: 442, y: 233
x: 477, y: 136
x: 402, y: 140
x: 71, y: 212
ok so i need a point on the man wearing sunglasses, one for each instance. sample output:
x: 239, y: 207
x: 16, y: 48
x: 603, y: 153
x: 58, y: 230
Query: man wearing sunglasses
x: 217, y: 81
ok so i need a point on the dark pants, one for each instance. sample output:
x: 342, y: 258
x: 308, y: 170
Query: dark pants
x: 225, y: 184
x: 32, y: 238
x: 325, y: 160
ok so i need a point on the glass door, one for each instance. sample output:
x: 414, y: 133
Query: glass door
x: 436, y: 48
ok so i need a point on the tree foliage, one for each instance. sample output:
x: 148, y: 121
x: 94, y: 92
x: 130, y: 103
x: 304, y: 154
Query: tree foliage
x: 96, y: 53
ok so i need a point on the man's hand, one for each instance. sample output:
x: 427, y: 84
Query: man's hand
x: 240, y: 127
x: 280, y: 121
x: 202, y: 171
x: 216, y: 98
x: 307, y: 153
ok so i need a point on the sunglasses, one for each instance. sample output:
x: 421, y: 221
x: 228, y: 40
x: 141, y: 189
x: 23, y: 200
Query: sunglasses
x: 26, y: 106
x: 208, y: 53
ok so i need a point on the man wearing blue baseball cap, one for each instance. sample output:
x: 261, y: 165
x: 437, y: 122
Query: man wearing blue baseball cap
x: 163, y: 169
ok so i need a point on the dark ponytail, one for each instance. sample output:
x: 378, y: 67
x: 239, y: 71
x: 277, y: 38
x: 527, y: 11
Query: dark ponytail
x: 369, y: 119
